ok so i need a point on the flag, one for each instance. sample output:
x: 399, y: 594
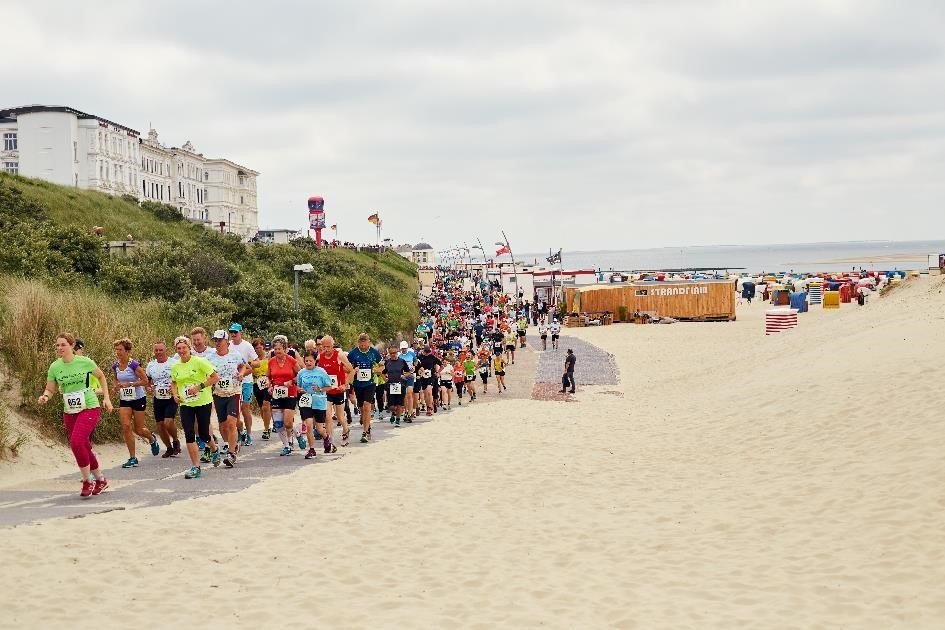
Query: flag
x: 554, y: 258
x: 504, y: 250
x: 334, y: 227
x: 374, y: 218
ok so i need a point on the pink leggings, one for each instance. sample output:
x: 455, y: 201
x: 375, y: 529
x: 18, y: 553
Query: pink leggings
x: 79, y: 427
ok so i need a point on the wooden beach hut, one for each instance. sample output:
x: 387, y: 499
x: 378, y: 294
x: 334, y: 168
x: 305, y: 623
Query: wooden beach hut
x: 693, y: 300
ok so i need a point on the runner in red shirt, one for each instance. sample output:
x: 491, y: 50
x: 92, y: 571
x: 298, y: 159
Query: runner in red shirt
x: 284, y: 393
x: 334, y: 361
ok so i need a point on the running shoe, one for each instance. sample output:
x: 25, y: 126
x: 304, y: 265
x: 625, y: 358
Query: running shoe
x: 392, y: 418
x: 205, y: 458
x: 193, y: 473
x: 229, y: 460
x: 215, y: 457
x: 201, y: 444
x: 397, y: 422
x: 131, y: 463
x: 326, y: 443
x: 302, y: 441
x: 460, y: 403
x: 100, y: 484
x: 285, y: 451
x: 168, y: 453
x: 364, y: 438
x: 176, y: 448
x: 344, y: 437
x: 310, y: 454
x: 155, y: 447
x: 266, y: 434
x: 249, y: 440
x: 87, y: 488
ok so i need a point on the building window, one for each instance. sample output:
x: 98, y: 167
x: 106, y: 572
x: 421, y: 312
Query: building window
x: 144, y: 188
x: 206, y: 176
x: 9, y: 142
x: 11, y: 167
x: 241, y: 200
x: 75, y: 151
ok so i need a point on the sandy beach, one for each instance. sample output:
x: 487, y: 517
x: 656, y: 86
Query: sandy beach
x: 734, y: 479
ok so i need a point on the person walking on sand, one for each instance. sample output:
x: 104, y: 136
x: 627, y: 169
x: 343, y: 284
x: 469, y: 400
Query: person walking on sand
x: 71, y: 373
x: 568, y: 377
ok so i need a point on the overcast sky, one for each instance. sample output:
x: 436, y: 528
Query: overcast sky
x: 588, y: 125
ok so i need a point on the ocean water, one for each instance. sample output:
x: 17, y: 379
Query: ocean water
x: 803, y: 257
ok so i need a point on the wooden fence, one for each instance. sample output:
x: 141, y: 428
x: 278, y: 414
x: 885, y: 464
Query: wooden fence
x: 697, y: 301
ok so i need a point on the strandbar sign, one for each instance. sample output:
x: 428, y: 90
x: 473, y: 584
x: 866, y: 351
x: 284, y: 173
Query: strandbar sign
x: 699, y: 289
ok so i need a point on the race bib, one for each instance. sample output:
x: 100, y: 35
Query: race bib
x: 364, y: 374
x: 424, y: 373
x: 471, y: 378
x: 74, y: 402
x: 189, y: 397
x: 305, y: 400
x: 262, y: 382
x: 162, y: 393
x: 224, y: 385
x: 334, y: 381
x: 446, y: 380
x: 280, y: 391
x: 126, y: 393
x: 484, y: 370
x: 394, y: 388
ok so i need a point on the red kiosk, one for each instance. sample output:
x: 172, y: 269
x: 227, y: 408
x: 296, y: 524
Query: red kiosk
x: 316, y: 217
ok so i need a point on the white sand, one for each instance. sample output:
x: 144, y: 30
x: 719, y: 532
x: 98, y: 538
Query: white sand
x: 785, y: 481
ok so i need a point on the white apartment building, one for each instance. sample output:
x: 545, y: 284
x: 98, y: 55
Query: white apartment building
x: 70, y: 147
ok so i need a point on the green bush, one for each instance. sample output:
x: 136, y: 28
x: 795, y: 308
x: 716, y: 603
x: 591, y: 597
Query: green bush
x: 162, y: 211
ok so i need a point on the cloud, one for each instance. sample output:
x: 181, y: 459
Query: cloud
x: 585, y: 125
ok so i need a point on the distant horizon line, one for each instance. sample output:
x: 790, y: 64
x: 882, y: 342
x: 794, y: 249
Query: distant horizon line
x: 601, y: 251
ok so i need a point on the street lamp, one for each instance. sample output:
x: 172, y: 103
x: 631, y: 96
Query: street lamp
x: 514, y: 269
x: 304, y: 268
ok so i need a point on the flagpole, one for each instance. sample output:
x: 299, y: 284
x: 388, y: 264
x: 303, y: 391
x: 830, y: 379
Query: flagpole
x: 514, y: 270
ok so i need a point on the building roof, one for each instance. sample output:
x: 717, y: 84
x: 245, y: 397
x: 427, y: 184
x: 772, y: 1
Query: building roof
x: 13, y: 112
x: 420, y: 246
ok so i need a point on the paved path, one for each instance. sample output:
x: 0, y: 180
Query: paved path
x: 161, y: 481
x: 535, y: 375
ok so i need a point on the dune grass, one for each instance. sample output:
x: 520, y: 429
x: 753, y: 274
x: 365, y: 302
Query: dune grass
x: 32, y: 314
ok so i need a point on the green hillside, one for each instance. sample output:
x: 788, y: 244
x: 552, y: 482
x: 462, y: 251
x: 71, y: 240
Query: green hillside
x: 55, y: 275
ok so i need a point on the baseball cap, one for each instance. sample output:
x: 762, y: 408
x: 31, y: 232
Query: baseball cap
x: 219, y: 335
x: 234, y: 327
x: 404, y: 345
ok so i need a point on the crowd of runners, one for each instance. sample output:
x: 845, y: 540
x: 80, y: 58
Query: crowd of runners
x: 303, y: 390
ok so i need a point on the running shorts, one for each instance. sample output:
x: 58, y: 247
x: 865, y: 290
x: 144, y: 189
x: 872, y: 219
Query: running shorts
x: 510, y: 346
x: 426, y: 382
x: 365, y: 394
x: 285, y: 403
x: 447, y: 384
x: 138, y: 404
x: 396, y: 400
x: 500, y: 373
x: 164, y: 409
x: 336, y: 399
x: 418, y: 386
x: 544, y: 336
x: 227, y: 406
x: 307, y: 413
x: 261, y: 395
x: 246, y: 396
x: 554, y: 336
x: 521, y: 333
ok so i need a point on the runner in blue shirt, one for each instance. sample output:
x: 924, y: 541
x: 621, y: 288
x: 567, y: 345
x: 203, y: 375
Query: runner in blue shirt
x: 366, y: 361
x: 313, y: 382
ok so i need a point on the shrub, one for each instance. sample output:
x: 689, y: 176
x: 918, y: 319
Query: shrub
x: 162, y: 211
x: 11, y: 440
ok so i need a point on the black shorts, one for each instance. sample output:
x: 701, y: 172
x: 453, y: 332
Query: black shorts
x: 426, y: 382
x: 336, y: 399
x: 544, y: 336
x: 510, y: 346
x: 138, y: 404
x: 521, y: 333
x: 446, y: 384
x: 484, y: 377
x: 396, y: 400
x: 470, y: 377
x: 285, y: 403
x: 261, y: 395
x: 226, y: 406
x: 365, y: 394
x: 164, y: 409
x: 496, y: 349
x: 554, y: 336
x: 418, y: 386
x: 307, y: 413
x: 500, y: 373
